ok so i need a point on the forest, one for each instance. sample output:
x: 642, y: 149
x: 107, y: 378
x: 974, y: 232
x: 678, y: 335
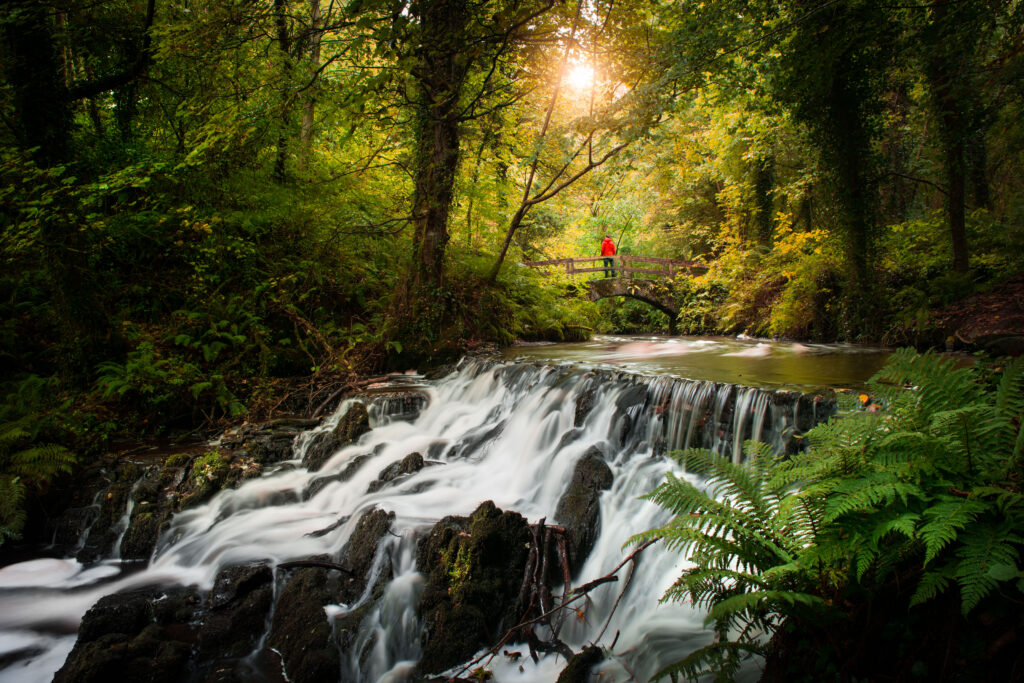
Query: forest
x: 209, y: 206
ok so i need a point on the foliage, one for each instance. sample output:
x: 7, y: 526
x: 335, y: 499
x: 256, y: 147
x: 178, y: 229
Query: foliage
x: 29, y: 459
x: 911, y: 504
x: 744, y: 533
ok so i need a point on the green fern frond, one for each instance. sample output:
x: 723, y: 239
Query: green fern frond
x: 943, y: 522
x: 1009, y: 401
x: 11, y: 433
x: 982, y: 549
x: 904, y: 524
x: 40, y: 463
x: 752, y: 604
x: 720, y: 659
x: 931, y: 585
x: 12, y: 512
x: 865, y: 495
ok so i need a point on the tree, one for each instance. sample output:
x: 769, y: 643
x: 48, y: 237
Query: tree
x: 833, y: 64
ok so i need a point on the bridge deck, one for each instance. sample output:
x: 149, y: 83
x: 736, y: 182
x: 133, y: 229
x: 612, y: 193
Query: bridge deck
x: 625, y: 265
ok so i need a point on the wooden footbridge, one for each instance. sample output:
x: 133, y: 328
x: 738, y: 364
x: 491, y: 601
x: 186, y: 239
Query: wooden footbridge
x: 652, y: 288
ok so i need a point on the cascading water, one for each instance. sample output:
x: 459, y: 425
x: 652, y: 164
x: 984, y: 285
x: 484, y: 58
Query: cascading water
x: 509, y: 433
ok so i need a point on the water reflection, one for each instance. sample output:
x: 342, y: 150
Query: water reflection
x: 737, y: 360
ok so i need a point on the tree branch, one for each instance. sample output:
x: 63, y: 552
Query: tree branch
x: 105, y: 83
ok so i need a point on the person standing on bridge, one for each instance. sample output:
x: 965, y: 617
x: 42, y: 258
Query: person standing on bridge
x: 608, y: 251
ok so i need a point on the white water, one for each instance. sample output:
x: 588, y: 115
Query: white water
x: 504, y: 433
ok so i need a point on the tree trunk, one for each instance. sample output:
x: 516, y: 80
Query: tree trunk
x: 440, y: 79
x: 42, y: 123
x: 309, y: 104
x: 43, y: 115
x: 281, y: 156
x: 764, y: 194
x: 950, y: 107
x: 977, y: 163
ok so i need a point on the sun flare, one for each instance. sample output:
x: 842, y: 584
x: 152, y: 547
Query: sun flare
x: 580, y: 76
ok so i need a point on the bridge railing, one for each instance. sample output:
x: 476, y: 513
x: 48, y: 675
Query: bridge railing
x: 625, y: 265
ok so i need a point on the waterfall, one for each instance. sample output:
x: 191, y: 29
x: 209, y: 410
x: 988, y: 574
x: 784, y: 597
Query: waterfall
x: 506, y: 432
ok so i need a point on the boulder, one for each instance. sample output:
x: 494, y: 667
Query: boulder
x: 579, y: 509
x: 474, y: 568
x: 141, y: 635
x: 103, y: 533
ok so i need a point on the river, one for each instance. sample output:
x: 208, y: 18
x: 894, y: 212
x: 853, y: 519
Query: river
x: 509, y: 430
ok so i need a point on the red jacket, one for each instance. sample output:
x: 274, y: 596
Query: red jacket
x: 607, y: 247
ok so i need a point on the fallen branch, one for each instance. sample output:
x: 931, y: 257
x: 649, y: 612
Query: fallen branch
x: 574, y: 595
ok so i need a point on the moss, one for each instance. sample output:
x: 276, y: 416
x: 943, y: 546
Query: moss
x: 177, y: 460
x: 127, y: 472
x: 458, y: 570
x: 211, y: 466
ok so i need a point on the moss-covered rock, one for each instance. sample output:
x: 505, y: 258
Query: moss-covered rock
x: 142, y: 635
x: 579, y: 508
x: 474, y: 569
x: 143, y: 531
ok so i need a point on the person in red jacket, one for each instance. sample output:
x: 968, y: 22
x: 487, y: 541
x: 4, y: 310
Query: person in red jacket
x: 608, y: 251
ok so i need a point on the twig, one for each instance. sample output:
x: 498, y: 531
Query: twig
x: 575, y: 594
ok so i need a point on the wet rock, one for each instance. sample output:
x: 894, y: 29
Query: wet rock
x: 238, y: 606
x: 585, y: 404
x: 143, y: 531
x: 402, y: 405
x: 351, y: 468
x: 359, y: 555
x: 353, y: 425
x: 142, y: 635
x: 578, y: 668
x: 361, y: 550
x: 299, y: 630
x: 269, y: 447
x: 410, y: 464
x: 474, y: 568
x: 103, y: 533
x: 579, y: 509
x: 70, y: 527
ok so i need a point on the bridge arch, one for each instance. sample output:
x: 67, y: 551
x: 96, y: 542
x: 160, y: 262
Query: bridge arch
x: 652, y: 293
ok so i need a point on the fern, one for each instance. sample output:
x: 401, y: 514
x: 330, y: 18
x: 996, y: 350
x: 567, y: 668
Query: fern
x: 12, y: 512
x: 27, y: 459
x: 742, y: 532
x: 927, y: 489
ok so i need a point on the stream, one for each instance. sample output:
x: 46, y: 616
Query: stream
x: 509, y: 429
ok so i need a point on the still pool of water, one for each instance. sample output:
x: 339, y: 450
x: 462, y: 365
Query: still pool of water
x: 736, y: 360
